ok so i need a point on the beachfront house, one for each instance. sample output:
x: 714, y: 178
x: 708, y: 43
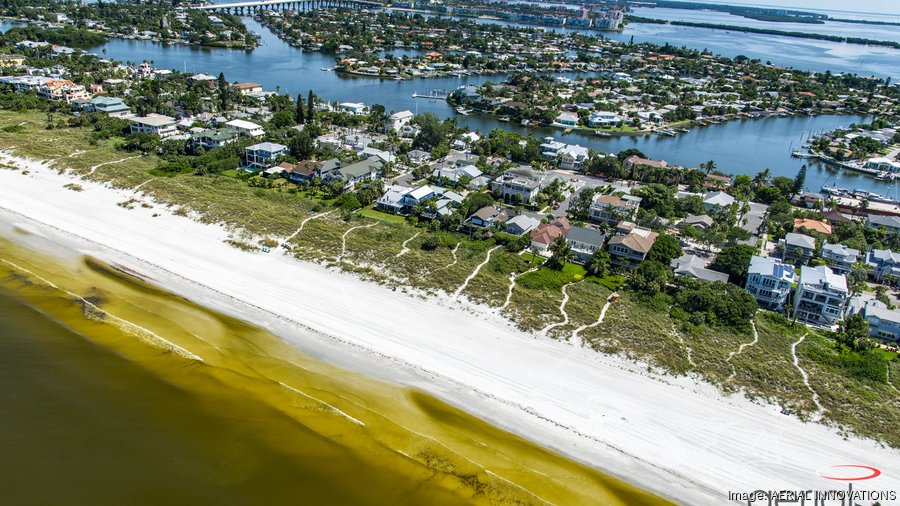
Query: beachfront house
x: 246, y: 128
x: 613, y: 209
x: 797, y: 249
x: 884, y: 323
x: 354, y: 174
x: 111, y: 106
x: 839, y: 257
x: 821, y: 297
x: 883, y: 265
x: 584, y: 243
x: 300, y: 172
x: 263, y: 156
x: 629, y: 250
x: 546, y: 233
x: 212, y: 139
x: 157, y: 124
x: 769, y: 281
x: 695, y: 267
x: 490, y: 216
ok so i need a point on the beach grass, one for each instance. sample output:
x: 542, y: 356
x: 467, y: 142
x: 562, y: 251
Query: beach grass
x: 635, y: 327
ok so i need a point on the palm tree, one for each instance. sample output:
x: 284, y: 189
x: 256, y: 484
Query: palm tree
x: 562, y: 253
x: 761, y: 178
x: 708, y: 166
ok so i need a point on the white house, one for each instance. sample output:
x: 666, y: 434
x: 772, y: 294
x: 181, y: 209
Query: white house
x: 246, y: 128
x: 355, y: 108
x: 158, y: 124
x: 717, y: 200
x: 263, y: 155
x: 821, y: 297
x: 398, y: 120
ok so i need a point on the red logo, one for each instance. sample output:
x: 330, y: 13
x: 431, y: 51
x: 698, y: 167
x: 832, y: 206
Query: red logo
x: 849, y: 472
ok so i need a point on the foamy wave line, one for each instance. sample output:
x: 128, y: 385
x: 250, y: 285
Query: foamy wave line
x: 145, y: 334
x: 333, y: 408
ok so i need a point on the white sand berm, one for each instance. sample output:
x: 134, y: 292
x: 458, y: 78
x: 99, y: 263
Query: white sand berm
x: 676, y: 436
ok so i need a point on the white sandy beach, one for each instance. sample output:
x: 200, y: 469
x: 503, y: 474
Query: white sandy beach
x: 674, y: 436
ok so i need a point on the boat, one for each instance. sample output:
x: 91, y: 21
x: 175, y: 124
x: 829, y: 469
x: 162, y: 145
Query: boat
x: 326, y: 69
x: 504, y: 119
x: 800, y: 154
x: 463, y: 111
x: 525, y: 122
x: 604, y: 134
x: 666, y: 131
x: 682, y: 130
x: 567, y: 131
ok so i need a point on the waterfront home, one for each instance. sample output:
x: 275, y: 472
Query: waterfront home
x: 584, y: 242
x: 546, y: 233
x: 700, y: 222
x: 884, y: 323
x: 111, y: 106
x: 402, y: 199
x: 490, y: 216
x: 890, y: 224
x: 521, y: 224
x: 812, y: 226
x: 567, y: 119
x: 354, y: 174
x: 572, y: 157
x: 769, y: 281
x: 637, y: 162
x: 605, y: 119
x: 797, y: 249
x: 246, y: 128
x: 354, y: 108
x: 613, y: 209
x: 550, y: 149
x: 57, y: 51
x: 62, y: 90
x: 263, y: 155
x: 695, y: 267
x: 630, y: 249
x: 883, y: 265
x: 883, y: 164
x: 839, y: 257
x: 821, y: 297
x: 300, y: 172
x: 398, y: 120
x: 212, y: 139
x: 808, y: 200
x: 717, y: 200
x: 157, y: 124
x: 247, y: 88
x: 520, y: 184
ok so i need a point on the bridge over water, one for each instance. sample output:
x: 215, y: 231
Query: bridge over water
x: 250, y: 7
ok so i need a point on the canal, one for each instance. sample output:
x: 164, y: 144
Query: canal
x: 739, y: 147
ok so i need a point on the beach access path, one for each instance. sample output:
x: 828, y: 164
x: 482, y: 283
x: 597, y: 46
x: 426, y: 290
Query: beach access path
x: 675, y: 436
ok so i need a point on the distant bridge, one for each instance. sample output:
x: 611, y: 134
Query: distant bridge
x: 250, y: 7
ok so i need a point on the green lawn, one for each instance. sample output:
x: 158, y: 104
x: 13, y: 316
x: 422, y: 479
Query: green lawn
x: 371, y: 212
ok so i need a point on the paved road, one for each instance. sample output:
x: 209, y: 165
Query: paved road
x: 754, y: 219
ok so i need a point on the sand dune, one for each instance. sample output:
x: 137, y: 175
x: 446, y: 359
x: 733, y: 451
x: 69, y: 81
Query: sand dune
x: 674, y: 436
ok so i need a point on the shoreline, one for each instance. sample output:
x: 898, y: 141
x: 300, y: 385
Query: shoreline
x: 594, y: 408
